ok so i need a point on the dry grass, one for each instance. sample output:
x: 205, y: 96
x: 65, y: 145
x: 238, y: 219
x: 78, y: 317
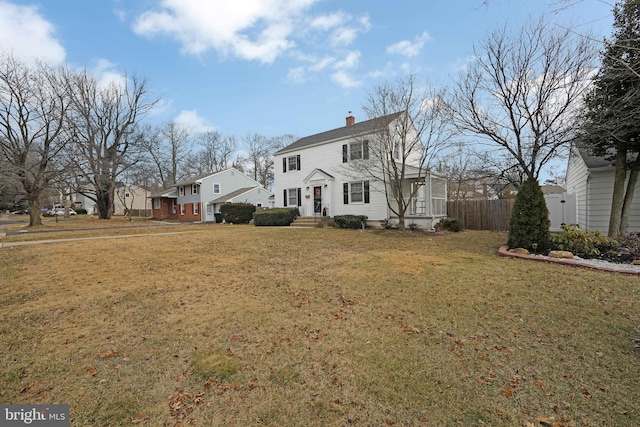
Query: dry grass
x: 319, y: 327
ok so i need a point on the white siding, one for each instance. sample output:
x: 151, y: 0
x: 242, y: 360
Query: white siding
x: 327, y: 157
x: 577, y: 176
x: 593, y: 190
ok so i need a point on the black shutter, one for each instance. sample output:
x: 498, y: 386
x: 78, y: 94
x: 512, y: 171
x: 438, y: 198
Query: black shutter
x: 298, y: 161
x: 366, y: 191
x: 299, y: 196
x: 285, y: 197
x: 345, y: 193
x: 345, y: 156
x: 365, y: 150
x: 284, y: 165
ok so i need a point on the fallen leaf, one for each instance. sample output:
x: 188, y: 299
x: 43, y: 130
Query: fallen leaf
x: 506, y: 391
x: 586, y: 393
x: 544, y: 420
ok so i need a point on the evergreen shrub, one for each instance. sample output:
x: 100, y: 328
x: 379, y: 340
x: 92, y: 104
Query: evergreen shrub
x: 277, y: 216
x: 349, y: 221
x: 237, y: 213
x: 583, y: 243
x: 529, y: 224
x: 449, y: 224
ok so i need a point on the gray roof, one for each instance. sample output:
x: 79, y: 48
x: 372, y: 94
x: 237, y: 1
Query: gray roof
x: 231, y: 195
x: 170, y: 193
x: 342, y: 132
x: 594, y: 162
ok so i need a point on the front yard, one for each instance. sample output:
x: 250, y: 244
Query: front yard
x: 243, y: 325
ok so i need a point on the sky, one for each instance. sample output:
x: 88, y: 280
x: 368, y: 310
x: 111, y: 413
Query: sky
x: 272, y: 67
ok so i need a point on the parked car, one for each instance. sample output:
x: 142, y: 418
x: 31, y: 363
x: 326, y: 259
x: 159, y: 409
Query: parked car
x: 20, y: 212
x: 60, y: 212
x: 44, y: 211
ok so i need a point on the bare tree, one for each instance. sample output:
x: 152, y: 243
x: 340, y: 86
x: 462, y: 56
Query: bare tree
x: 260, y: 151
x: 33, y: 102
x: 522, y: 94
x: 103, y: 124
x: 215, y: 153
x: 167, y: 148
x: 407, y: 144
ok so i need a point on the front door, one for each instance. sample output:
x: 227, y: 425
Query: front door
x: 317, y: 200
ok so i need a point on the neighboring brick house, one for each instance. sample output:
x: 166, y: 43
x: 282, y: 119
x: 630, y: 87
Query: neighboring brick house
x: 164, y: 205
x: 199, y: 199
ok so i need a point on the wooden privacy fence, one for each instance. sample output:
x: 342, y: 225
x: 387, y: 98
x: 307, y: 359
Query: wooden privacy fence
x: 491, y: 215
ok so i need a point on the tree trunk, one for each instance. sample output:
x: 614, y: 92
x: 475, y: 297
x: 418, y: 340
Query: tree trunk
x: 34, y: 213
x: 617, y: 202
x: 628, y: 197
x: 103, y: 203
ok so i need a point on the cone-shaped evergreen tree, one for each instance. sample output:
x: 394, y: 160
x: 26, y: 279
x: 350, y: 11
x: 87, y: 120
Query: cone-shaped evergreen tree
x: 529, y: 222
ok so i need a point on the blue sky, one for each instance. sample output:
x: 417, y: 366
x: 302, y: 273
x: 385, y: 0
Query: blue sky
x: 272, y: 67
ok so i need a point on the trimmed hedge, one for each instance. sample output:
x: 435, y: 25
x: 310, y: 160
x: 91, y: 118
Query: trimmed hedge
x: 277, y: 216
x: 237, y: 213
x: 349, y: 221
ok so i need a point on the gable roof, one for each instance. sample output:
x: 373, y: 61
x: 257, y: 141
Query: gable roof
x: 231, y: 195
x: 367, y: 126
x: 197, y: 179
x: 593, y: 162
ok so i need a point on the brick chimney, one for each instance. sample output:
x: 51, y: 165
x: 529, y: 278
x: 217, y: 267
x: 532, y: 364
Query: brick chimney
x: 350, y: 120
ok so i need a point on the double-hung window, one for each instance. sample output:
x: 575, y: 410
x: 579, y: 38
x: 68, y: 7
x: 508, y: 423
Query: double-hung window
x: 292, y: 197
x: 216, y: 188
x: 358, y: 150
x: 356, y: 192
x: 291, y: 163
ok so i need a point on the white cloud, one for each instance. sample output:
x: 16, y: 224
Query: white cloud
x: 345, y: 80
x: 194, y: 122
x: 106, y: 74
x: 327, y: 22
x: 409, y: 48
x: 350, y: 61
x: 27, y: 35
x: 343, y: 36
x: 342, y: 76
x: 296, y: 75
x: 251, y: 29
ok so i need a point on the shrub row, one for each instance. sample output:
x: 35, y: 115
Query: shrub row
x: 237, y: 213
x: 583, y: 243
x: 277, y: 216
x: 350, y: 221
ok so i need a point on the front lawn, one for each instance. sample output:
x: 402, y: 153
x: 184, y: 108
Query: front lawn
x: 242, y: 325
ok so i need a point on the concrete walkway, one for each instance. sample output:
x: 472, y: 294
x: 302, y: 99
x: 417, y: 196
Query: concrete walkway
x: 75, y: 239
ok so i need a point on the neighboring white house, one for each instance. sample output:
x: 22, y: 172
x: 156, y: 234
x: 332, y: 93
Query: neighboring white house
x: 314, y: 174
x: 125, y: 197
x: 199, y: 199
x: 590, y: 179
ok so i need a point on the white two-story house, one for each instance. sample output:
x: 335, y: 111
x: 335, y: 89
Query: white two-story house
x: 314, y: 174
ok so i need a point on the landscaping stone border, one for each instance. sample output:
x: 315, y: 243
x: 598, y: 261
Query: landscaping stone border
x: 583, y: 263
